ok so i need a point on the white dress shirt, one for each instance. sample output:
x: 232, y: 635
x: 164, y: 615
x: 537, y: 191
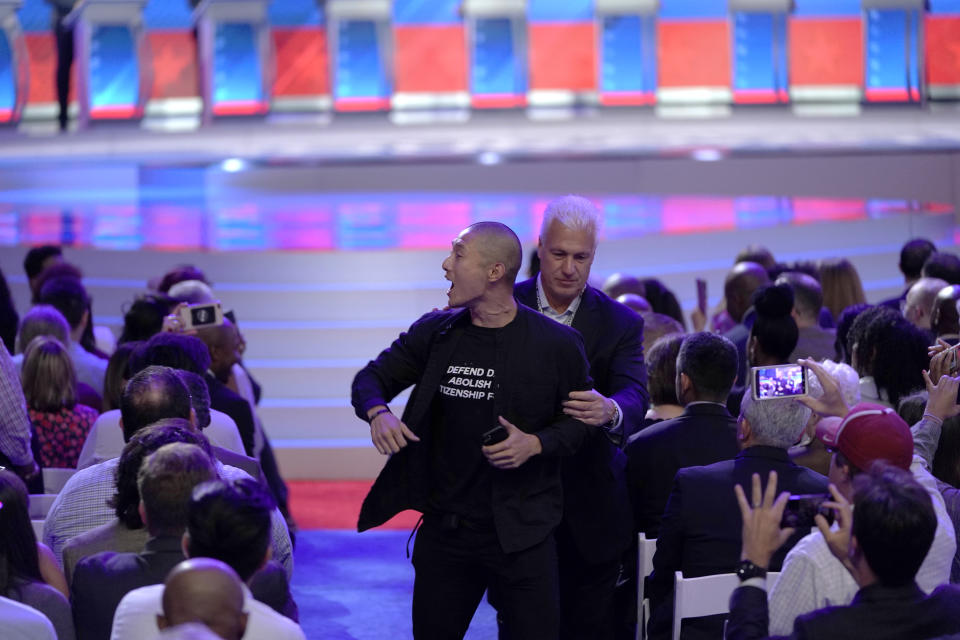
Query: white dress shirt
x: 136, y: 617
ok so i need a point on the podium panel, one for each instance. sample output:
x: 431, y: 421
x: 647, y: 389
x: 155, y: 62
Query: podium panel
x: 301, y: 79
x: 628, y: 60
x: 693, y: 66
x: 826, y: 51
x: 563, y: 52
x: 496, y: 32
x: 430, y: 55
x: 361, y: 48
x: 760, y: 62
x: 892, y: 52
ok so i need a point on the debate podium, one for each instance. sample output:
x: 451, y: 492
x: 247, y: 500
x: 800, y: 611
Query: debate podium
x: 760, y: 45
x: 111, y: 70
x: 893, y: 48
x: 361, y: 53
x: 627, y: 64
x: 234, y: 49
x: 497, y: 51
x: 14, y: 63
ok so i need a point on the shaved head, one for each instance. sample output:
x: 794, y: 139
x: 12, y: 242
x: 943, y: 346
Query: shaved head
x: 497, y: 243
x: 741, y: 282
x: 207, y: 591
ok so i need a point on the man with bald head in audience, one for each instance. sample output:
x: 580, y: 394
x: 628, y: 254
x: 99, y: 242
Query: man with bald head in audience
x: 207, y: 591
x: 918, y: 306
x: 738, y: 288
x: 945, y: 322
x: 814, y: 341
x: 486, y: 370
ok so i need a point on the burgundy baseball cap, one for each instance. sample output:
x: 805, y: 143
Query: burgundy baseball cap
x: 869, y: 432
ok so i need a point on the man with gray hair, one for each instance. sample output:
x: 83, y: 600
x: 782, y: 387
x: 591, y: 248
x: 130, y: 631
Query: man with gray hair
x: 596, y: 527
x: 698, y: 535
x: 917, y: 307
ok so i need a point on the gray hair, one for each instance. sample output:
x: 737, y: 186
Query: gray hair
x: 42, y: 320
x: 843, y: 374
x: 573, y: 212
x: 775, y: 422
x: 192, y: 292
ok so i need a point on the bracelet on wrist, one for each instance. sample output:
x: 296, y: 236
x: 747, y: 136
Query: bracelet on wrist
x: 377, y: 413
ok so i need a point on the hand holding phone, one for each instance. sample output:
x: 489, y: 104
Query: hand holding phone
x: 801, y: 511
x: 702, y: 295
x: 494, y: 436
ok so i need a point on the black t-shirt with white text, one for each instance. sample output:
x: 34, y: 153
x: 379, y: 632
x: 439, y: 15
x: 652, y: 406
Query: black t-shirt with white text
x: 463, y: 410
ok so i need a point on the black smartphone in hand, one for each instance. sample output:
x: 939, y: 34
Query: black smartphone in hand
x: 495, y: 435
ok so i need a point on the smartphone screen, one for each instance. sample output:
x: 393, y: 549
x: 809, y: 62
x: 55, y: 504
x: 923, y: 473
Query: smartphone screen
x: 801, y: 511
x: 783, y: 381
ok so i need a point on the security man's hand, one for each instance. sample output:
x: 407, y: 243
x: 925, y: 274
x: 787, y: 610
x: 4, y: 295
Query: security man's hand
x: 515, y: 450
x: 590, y: 407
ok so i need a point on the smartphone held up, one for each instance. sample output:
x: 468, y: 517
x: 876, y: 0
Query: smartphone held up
x: 781, y: 381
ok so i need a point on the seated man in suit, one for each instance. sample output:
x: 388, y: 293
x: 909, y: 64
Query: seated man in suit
x: 206, y: 591
x: 881, y: 541
x: 100, y: 581
x: 229, y: 522
x: 700, y: 532
x: 705, y: 433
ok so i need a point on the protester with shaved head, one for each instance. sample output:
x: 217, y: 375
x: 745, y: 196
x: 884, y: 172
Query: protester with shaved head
x: 478, y: 448
x: 738, y: 289
x: 206, y: 591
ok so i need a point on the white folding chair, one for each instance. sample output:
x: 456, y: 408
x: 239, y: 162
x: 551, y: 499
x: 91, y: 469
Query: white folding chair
x: 54, y: 479
x: 705, y: 596
x: 645, y: 550
x: 40, y: 505
x: 37, y: 528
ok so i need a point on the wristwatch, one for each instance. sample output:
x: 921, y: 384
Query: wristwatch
x: 614, y: 419
x: 747, y: 570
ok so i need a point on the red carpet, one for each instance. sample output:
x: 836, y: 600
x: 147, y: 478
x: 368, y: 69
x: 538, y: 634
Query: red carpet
x: 335, y: 504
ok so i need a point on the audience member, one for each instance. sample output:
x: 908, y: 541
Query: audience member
x: 229, y: 522
x: 40, y: 320
x: 152, y: 395
x: 913, y: 255
x: 99, y: 341
x: 22, y: 622
x: 9, y: 318
x: 192, y: 292
x: 28, y: 571
x: 202, y: 590
x: 15, y: 432
x: 117, y: 375
x: 945, y: 321
x: 917, y: 307
x: 700, y: 532
x: 843, y: 345
x: 813, y: 340
x: 60, y: 424
x: 36, y: 261
x: 178, y: 274
x: 636, y: 302
x: 662, y: 368
x: 811, y: 452
x: 811, y: 577
x: 165, y: 481
x: 70, y: 298
x: 219, y: 429
x: 125, y: 532
x: 621, y: 284
x: 738, y: 288
x: 663, y: 300
x: 144, y: 318
x: 774, y: 334
x: 841, y: 286
x: 879, y: 544
x: 705, y: 433
x: 595, y: 529
x: 657, y: 325
x: 758, y: 254
x: 890, y: 355
x: 944, y: 266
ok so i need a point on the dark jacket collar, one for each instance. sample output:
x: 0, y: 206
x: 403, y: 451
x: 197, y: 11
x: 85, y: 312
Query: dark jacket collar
x: 762, y: 451
x: 163, y: 544
x: 879, y: 593
x: 706, y: 409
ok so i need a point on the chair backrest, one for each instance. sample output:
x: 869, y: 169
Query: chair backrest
x: 54, y: 479
x: 704, y: 596
x: 645, y: 550
x: 40, y: 504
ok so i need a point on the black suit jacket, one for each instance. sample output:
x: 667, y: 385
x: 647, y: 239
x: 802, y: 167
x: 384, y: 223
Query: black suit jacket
x: 701, y: 528
x: 100, y: 581
x: 225, y: 400
x: 705, y: 433
x: 538, y: 363
x: 877, y: 613
x: 596, y: 508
